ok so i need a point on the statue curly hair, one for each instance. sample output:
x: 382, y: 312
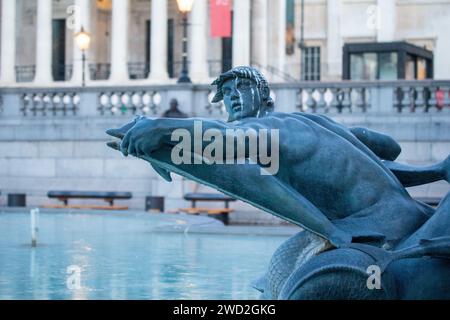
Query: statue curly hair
x: 249, y: 73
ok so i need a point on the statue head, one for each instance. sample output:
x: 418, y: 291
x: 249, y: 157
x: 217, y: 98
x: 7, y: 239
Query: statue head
x: 245, y: 93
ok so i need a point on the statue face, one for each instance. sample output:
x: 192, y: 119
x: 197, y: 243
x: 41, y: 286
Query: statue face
x: 241, y: 98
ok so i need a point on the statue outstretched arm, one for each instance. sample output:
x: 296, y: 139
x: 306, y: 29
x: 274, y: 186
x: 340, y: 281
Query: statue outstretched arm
x: 150, y: 134
x: 382, y: 145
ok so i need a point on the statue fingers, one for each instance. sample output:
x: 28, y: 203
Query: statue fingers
x: 116, y: 133
x: 114, y: 145
x: 122, y: 131
x: 132, y: 148
x: 124, y: 144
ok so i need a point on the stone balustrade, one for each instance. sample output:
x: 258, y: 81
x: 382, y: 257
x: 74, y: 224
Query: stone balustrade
x: 368, y: 97
x: 314, y: 97
x: 44, y: 103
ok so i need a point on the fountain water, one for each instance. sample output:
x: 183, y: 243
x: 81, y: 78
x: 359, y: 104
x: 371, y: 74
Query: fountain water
x: 34, y: 217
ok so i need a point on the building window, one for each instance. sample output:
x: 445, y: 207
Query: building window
x: 386, y: 61
x: 387, y: 65
x: 310, y: 68
x: 373, y: 66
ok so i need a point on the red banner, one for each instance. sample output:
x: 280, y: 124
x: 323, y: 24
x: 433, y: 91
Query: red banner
x: 220, y: 17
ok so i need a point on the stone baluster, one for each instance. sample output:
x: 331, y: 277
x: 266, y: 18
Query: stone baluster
x: 321, y: 104
x: 136, y: 101
x: 334, y: 103
x: 361, y: 99
x: 25, y: 103
x: 60, y: 100
x: 432, y: 102
x: 52, y: 105
x: 446, y: 92
x: 406, y: 100
x: 299, y: 105
x: 310, y: 102
x: 347, y: 99
x: 35, y: 107
x: 70, y: 105
x: 420, y: 101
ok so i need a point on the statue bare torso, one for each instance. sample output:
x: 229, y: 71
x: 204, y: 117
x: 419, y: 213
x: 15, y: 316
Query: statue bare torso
x: 349, y: 185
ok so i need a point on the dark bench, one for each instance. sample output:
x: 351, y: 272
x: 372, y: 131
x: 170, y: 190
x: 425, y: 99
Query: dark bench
x: 220, y: 213
x: 109, y: 197
x: 209, y: 197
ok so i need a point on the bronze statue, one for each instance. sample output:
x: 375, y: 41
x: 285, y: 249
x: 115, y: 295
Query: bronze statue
x: 341, y: 185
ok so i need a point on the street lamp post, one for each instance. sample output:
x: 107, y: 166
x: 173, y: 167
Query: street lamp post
x: 83, y: 40
x: 185, y: 6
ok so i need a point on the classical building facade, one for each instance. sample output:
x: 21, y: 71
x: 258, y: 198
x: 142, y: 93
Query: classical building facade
x: 141, y: 40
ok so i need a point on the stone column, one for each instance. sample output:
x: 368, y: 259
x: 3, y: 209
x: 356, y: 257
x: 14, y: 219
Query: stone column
x: 281, y: 34
x: 198, y: 48
x: 241, y: 33
x: 44, y: 43
x: 8, y: 44
x: 334, y: 39
x: 260, y: 32
x: 119, y: 41
x: 386, y: 20
x: 82, y: 20
x: 158, y: 42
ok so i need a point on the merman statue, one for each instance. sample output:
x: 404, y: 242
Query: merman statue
x: 341, y: 185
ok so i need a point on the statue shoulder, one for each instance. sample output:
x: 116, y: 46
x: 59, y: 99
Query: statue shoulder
x: 293, y: 130
x: 277, y: 120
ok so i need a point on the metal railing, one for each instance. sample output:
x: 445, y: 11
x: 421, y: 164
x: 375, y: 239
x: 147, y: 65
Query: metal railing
x: 25, y: 73
x: 100, y: 71
x: 138, y: 70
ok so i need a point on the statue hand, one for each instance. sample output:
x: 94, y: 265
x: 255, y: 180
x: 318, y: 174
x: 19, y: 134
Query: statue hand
x: 143, y: 138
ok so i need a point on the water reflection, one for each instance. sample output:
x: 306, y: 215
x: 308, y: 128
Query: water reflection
x: 120, y: 258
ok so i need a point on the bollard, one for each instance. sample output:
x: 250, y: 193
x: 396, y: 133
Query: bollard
x: 154, y: 204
